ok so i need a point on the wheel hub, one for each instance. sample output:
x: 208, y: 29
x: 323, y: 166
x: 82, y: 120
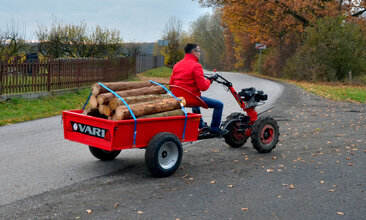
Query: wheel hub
x: 164, y: 154
x: 267, y: 134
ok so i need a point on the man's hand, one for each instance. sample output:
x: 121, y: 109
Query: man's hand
x: 213, y: 77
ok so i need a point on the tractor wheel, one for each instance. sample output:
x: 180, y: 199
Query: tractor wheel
x: 235, y: 138
x: 163, y: 154
x: 265, y: 133
x: 103, y: 154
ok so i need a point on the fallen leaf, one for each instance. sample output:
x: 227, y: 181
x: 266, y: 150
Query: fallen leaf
x: 236, y: 161
x: 321, y: 181
x: 89, y: 211
x: 340, y: 213
x: 274, y: 158
x: 350, y: 165
x: 191, y: 178
x: 185, y: 176
x: 213, y: 181
x: 270, y: 170
x: 348, y: 158
x: 292, y: 186
x: 332, y: 190
x: 244, y: 209
x: 140, y: 212
x: 116, y: 205
x: 231, y: 186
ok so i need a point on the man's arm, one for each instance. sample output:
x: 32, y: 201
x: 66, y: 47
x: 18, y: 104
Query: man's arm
x: 202, y: 83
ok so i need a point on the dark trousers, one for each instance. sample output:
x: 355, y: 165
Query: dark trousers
x: 217, y: 112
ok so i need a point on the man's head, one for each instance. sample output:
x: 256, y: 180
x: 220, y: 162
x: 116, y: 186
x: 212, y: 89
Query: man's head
x: 193, y: 49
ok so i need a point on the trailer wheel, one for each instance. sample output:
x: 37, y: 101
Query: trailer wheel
x: 163, y: 154
x: 265, y: 133
x: 103, y: 154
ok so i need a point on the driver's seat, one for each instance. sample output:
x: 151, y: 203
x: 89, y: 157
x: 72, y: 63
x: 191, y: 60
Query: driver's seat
x: 191, y: 99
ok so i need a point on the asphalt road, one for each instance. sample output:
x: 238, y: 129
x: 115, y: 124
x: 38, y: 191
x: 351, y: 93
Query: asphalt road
x: 317, y: 170
x: 35, y: 158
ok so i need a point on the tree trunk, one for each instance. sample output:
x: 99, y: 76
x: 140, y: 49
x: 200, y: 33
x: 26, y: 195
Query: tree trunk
x: 104, y: 110
x: 176, y: 112
x: 118, y: 86
x: 135, y: 99
x: 106, y: 97
x: 147, y: 108
x: 93, y: 101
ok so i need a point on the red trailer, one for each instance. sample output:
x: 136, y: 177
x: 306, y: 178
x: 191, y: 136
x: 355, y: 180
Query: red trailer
x: 160, y: 136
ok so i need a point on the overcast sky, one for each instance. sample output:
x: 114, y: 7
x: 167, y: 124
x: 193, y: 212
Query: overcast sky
x: 137, y: 20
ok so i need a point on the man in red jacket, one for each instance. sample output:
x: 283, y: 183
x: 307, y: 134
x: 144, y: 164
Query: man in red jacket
x: 188, y: 73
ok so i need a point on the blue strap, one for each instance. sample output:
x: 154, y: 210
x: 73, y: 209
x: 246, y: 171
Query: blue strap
x: 133, y: 115
x: 87, y: 100
x: 183, y: 109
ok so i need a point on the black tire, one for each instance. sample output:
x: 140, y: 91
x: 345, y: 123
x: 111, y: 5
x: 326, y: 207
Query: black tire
x: 103, y: 154
x: 234, y: 138
x: 163, y: 154
x: 265, y: 133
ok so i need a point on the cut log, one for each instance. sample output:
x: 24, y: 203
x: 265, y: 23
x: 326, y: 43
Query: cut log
x: 93, y: 101
x: 104, y: 110
x: 119, y: 86
x: 176, y: 112
x: 147, y: 108
x: 106, y: 97
x: 135, y: 99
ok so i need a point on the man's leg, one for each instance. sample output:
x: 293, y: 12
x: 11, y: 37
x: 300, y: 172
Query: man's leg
x: 217, y: 112
x: 197, y: 110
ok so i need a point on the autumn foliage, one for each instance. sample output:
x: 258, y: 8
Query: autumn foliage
x: 280, y: 24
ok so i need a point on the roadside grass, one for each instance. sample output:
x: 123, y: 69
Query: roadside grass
x: 336, y: 92
x: 332, y: 91
x: 20, y: 109
x: 163, y: 72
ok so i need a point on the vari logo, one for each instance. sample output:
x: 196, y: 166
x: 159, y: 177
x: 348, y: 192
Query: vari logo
x: 89, y: 130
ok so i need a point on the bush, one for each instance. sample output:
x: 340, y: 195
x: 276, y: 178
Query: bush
x: 331, y: 49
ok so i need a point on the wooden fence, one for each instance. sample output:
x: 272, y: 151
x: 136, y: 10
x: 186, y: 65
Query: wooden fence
x: 55, y: 74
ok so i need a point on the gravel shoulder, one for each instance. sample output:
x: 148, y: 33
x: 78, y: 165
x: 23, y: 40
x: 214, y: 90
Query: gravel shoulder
x: 317, y: 171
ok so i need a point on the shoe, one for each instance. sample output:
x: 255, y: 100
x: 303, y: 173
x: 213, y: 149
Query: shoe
x: 219, y: 132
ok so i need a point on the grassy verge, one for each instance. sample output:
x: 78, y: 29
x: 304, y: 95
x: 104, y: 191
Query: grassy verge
x: 20, y: 109
x: 335, y: 91
x: 162, y: 72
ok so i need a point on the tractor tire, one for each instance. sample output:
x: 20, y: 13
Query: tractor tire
x: 163, y: 154
x: 234, y: 138
x: 103, y: 154
x: 265, y: 133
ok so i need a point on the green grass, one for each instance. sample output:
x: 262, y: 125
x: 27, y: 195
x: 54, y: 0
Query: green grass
x: 336, y: 92
x: 333, y: 91
x: 19, y: 109
x: 158, y: 72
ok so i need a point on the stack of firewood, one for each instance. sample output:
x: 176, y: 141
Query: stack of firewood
x: 144, y: 98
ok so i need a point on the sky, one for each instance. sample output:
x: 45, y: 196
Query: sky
x: 137, y: 20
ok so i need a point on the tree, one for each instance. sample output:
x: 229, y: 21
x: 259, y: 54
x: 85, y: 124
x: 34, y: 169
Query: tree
x: 173, y: 33
x: 331, y: 49
x: 76, y: 41
x: 279, y: 23
x: 207, y: 32
x: 12, y: 42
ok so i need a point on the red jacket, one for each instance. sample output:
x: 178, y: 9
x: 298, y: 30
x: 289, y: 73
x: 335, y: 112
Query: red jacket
x: 188, y: 74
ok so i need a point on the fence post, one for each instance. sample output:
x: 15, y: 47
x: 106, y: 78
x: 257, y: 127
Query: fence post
x: 48, y: 76
x: 1, y: 78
